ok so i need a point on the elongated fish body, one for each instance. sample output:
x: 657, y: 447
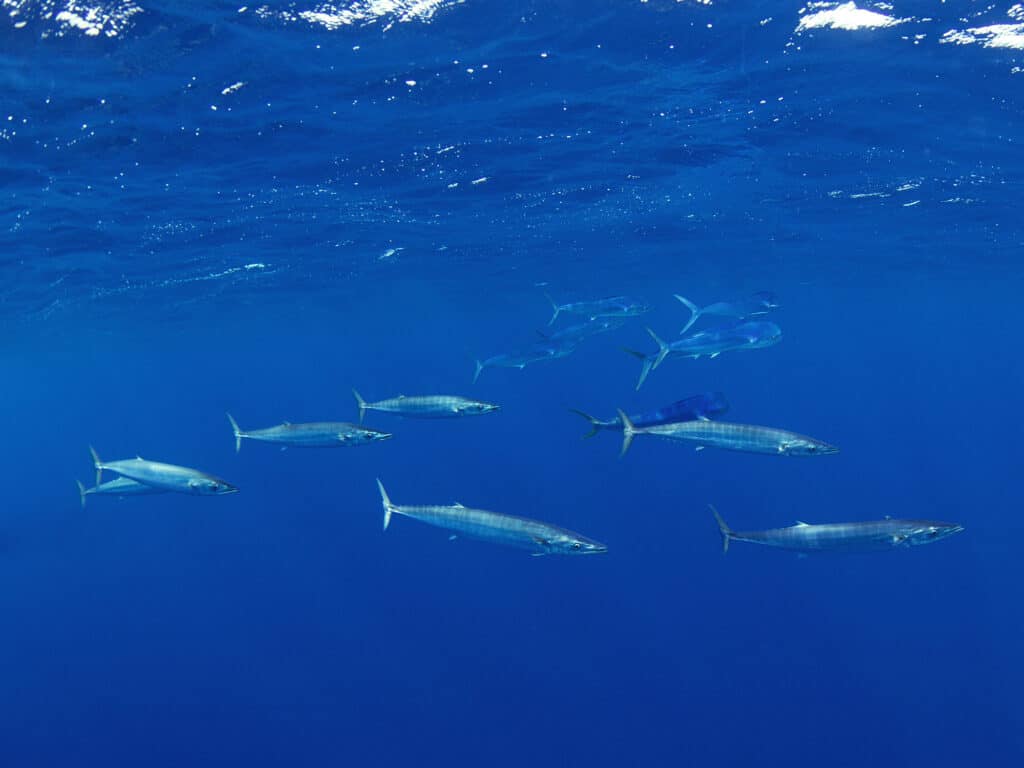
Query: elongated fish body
x: 869, y: 536
x: 732, y: 437
x: 549, y: 349
x: 706, y: 406
x: 756, y: 305
x: 612, y: 306
x: 119, y: 486
x: 169, y: 477
x: 426, y: 406
x: 754, y: 334
x: 312, y: 434
x: 583, y: 331
x: 533, y: 535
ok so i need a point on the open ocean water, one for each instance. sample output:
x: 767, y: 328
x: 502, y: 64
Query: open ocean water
x: 210, y: 207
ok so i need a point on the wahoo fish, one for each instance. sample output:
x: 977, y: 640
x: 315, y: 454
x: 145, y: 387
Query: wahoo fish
x: 546, y: 350
x: 613, y: 306
x: 870, y: 536
x: 712, y: 342
x: 705, y: 406
x: 755, y: 305
x: 426, y: 406
x: 313, y: 434
x: 168, y: 477
x: 540, y: 538
x: 732, y: 437
x: 120, y: 486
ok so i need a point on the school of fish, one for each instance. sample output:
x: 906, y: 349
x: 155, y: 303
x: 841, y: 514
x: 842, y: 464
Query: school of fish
x: 692, y: 420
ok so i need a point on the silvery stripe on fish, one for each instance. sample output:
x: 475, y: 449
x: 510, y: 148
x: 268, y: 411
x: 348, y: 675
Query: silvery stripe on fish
x: 540, y: 538
x: 120, y: 486
x: 755, y: 305
x: 868, y: 536
x: 706, y: 406
x: 733, y: 437
x: 426, y: 406
x: 612, y: 306
x: 170, y: 477
x: 311, y: 434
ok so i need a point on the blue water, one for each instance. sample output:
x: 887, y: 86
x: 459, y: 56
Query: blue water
x: 385, y: 198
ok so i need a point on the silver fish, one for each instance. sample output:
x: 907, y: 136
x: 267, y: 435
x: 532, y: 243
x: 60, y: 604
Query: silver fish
x: 426, y: 406
x: 753, y: 334
x: 755, y: 305
x: 613, y: 306
x: 313, y: 434
x: 540, y: 538
x: 869, y: 536
x: 733, y: 437
x: 168, y: 477
x: 120, y: 486
x: 546, y: 350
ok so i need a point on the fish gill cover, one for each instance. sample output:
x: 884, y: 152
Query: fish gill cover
x: 211, y: 208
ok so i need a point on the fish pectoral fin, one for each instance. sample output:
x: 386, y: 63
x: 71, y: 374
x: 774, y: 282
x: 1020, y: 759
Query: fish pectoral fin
x: 700, y: 448
x: 715, y: 354
x: 897, y: 540
x: 453, y: 537
x: 537, y: 554
x: 540, y: 541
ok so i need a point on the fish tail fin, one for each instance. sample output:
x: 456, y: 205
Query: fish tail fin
x: 694, y: 312
x: 362, y: 405
x: 238, y: 432
x: 595, y: 425
x: 628, y: 432
x: 662, y: 348
x: 388, y: 506
x: 81, y: 492
x: 98, y: 464
x: 723, y: 528
x: 644, y: 370
x: 646, y: 366
x: 554, y: 306
x: 478, y: 371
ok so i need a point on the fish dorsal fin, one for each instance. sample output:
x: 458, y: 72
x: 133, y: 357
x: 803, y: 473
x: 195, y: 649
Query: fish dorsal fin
x: 801, y: 524
x: 401, y: 397
x: 286, y: 423
x: 139, y: 457
x: 458, y: 505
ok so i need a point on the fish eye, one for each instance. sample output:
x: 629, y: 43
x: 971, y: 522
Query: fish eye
x: 576, y: 545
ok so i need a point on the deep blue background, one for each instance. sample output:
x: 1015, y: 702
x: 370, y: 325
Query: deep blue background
x: 280, y: 625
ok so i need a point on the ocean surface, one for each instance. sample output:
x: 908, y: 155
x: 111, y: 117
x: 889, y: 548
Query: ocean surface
x: 210, y: 207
